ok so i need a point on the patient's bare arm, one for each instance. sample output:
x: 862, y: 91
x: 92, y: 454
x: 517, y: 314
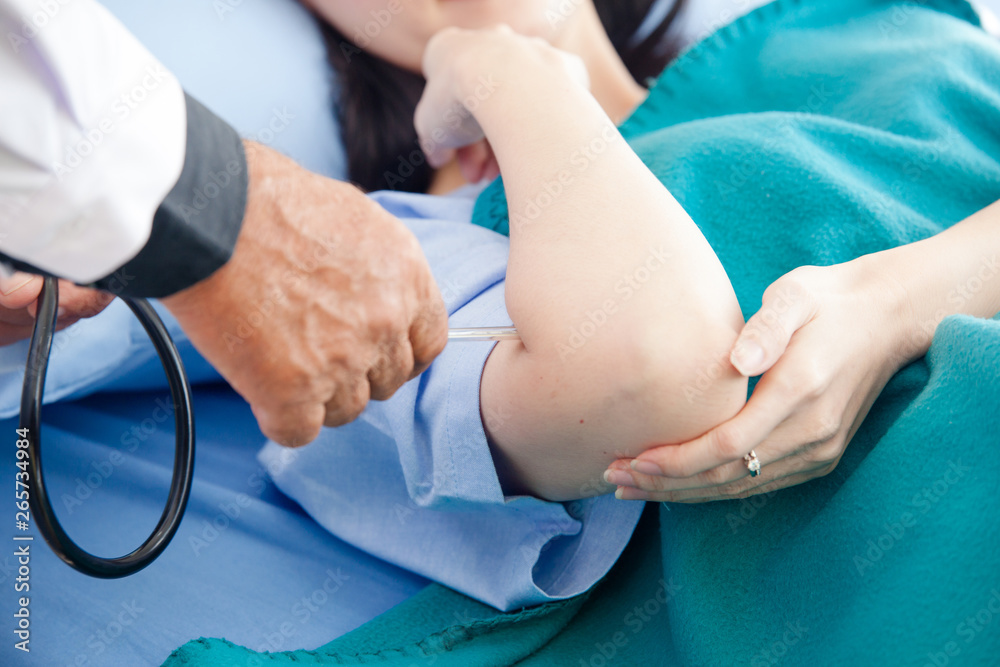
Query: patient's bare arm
x: 626, y: 315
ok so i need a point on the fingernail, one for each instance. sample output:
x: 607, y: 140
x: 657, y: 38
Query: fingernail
x: 14, y: 282
x: 618, y: 478
x: 646, y: 467
x: 628, y: 493
x: 747, y: 357
x: 60, y: 312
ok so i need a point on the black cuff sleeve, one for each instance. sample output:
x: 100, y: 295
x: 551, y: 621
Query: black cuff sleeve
x: 195, y: 228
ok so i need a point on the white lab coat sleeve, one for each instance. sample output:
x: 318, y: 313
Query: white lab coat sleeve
x: 92, y: 138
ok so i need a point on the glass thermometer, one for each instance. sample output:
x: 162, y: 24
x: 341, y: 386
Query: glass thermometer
x: 483, y: 333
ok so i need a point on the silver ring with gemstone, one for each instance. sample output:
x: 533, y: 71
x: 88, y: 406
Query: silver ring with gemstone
x: 753, y: 463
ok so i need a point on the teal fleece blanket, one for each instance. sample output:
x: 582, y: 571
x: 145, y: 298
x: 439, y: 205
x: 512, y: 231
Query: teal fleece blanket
x: 808, y: 132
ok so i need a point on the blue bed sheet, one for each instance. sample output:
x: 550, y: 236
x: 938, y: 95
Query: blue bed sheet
x: 246, y: 564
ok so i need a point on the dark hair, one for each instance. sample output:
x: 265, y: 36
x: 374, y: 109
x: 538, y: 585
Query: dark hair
x: 376, y: 99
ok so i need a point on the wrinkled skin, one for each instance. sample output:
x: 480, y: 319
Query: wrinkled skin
x: 327, y: 302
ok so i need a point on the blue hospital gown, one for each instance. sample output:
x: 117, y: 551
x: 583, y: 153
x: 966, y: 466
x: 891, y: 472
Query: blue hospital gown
x: 412, y: 480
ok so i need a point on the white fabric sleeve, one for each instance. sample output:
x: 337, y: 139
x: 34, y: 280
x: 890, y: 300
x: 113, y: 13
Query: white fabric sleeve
x: 92, y: 137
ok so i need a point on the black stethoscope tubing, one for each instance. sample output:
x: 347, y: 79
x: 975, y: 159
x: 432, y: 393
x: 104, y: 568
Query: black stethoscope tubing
x: 31, y: 417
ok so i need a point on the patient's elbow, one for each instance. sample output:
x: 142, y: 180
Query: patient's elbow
x: 638, y: 381
x: 678, y: 382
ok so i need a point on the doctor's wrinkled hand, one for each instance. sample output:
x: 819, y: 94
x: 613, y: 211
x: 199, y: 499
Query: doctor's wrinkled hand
x: 327, y: 302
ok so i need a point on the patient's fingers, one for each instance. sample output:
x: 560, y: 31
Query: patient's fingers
x: 443, y: 124
x: 477, y: 162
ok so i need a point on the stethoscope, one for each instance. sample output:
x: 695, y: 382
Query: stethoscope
x: 31, y: 423
x: 183, y: 472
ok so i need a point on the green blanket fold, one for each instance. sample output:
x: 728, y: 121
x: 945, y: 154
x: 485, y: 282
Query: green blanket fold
x: 808, y: 132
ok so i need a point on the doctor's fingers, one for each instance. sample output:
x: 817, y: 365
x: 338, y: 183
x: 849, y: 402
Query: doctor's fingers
x: 16, y: 317
x: 289, y: 425
x: 11, y: 333
x: 76, y: 303
x: 350, y: 397
x: 19, y: 293
x: 429, y: 329
x: 392, y: 367
x: 19, y: 289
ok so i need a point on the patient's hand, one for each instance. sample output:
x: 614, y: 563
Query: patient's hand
x: 19, y: 298
x: 825, y: 340
x: 463, y: 69
x: 617, y: 296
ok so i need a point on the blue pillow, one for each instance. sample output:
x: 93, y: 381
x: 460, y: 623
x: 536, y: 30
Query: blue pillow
x: 260, y: 65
